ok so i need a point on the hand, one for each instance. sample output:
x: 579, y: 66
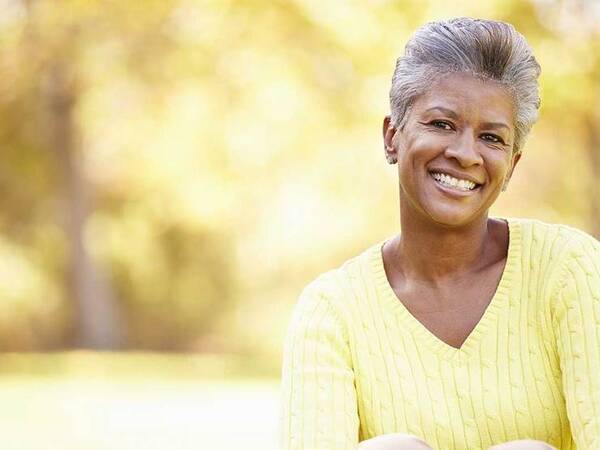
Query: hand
x: 394, y: 441
x: 525, y: 444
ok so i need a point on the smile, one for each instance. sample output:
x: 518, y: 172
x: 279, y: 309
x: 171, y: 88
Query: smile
x: 455, y: 183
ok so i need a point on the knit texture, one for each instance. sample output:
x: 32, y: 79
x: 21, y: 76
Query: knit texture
x: 357, y: 364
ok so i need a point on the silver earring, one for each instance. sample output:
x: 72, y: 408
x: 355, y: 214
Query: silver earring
x: 389, y: 155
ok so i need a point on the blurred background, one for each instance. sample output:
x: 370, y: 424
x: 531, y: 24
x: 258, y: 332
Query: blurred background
x: 173, y: 172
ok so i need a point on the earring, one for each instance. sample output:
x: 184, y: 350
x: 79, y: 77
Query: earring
x: 390, y: 156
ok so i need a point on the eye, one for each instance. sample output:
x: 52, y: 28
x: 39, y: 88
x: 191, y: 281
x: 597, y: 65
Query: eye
x: 442, y: 124
x: 492, y: 138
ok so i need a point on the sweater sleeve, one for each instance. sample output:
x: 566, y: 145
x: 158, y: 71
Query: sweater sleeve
x: 577, y: 327
x: 319, y: 398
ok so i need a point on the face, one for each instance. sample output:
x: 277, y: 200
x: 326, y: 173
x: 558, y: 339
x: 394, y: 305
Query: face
x: 454, y: 152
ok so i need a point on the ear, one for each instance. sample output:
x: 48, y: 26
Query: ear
x: 391, y: 153
x: 515, y: 158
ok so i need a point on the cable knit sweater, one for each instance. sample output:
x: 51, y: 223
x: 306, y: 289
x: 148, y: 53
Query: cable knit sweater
x: 357, y: 364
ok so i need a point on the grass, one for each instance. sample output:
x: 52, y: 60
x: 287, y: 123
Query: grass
x: 133, y: 401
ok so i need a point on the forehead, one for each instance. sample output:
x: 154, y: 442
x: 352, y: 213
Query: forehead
x: 469, y: 97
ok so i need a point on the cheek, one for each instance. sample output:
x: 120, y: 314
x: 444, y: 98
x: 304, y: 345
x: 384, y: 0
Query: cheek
x: 419, y: 148
x: 430, y: 142
x: 499, y: 165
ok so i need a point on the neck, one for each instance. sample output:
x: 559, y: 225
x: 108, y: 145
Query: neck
x: 433, y: 252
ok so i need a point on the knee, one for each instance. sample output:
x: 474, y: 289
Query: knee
x: 394, y: 441
x: 525, y: 444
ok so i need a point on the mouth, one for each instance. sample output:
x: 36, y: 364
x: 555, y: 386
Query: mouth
x: 453, y: 183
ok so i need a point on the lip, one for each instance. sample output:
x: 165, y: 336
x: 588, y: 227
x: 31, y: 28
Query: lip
x: 456, y: 174
x: 453, y: 192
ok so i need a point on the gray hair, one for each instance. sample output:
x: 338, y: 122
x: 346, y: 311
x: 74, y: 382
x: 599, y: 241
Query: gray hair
x: 484, y: 48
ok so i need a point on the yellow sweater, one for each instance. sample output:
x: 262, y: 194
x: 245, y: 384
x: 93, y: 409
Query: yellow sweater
x: 357, y: 364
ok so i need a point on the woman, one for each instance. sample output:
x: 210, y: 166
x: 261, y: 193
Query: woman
x: 463, y: 331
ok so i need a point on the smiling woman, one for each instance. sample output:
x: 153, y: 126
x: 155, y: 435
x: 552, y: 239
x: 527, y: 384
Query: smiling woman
x: 455, y: 148
x: 462, y: 331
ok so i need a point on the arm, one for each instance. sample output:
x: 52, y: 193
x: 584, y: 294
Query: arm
x: 319, y: 398
x: 577, y: 327
x: 524, y: 444
x: 395, y: 441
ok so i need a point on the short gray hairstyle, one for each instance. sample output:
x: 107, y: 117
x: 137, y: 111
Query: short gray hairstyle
x: 484, y: 48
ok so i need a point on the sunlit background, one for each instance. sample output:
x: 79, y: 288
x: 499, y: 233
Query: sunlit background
x: 174, y: 171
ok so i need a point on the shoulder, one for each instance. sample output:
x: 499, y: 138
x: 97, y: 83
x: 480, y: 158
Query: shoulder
x: 337, y: 287
x: 321, y: 311
x: 580, y: 259
x: 560, y: 263
x: 568, y: 257
x: 546, y: 251
x: 544, y: 231
x: 557, y: 241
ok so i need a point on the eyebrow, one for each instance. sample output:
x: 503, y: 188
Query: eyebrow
x: 452, y: 114
x: 443, y: 110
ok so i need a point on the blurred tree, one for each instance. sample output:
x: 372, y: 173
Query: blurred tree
x: 174, y: 158
x: 55, y: 68
x: 572, y: 82
x: 97, y: 320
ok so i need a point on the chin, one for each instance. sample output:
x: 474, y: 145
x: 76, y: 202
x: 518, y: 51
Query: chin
x: 454, y: 217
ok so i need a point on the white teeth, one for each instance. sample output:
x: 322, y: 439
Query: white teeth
x: 463, y: 185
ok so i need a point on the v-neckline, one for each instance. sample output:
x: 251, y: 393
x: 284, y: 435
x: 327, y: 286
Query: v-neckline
x: 420, y: 331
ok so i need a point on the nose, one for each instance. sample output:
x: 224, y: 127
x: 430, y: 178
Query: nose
x: 464, y: 150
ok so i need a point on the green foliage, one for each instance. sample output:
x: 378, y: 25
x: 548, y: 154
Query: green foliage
x: 223, y: 149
